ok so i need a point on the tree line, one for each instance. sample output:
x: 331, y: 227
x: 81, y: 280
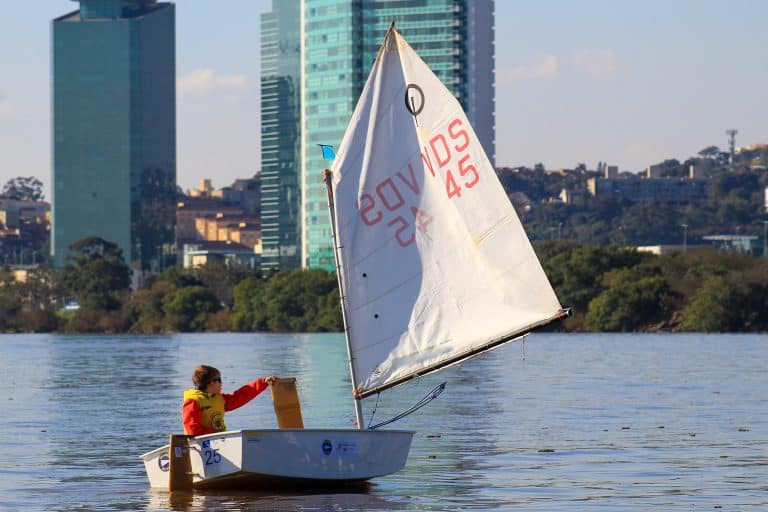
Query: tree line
x: 213, y: 297
x: 610, y: 288
x: 614, y: 289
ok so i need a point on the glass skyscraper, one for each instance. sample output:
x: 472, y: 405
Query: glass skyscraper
x: 280, y: 137
x: 114, y: 127
x: 339, y: 42
x: 332, y: 81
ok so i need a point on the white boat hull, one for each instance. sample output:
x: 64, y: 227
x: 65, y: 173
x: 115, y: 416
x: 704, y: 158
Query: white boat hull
x: 255, y: 458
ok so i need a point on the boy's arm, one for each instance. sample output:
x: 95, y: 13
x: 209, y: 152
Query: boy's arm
x: 244, y: 395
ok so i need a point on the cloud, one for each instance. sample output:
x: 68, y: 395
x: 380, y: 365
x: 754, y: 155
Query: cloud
x: 206, y: 80
x: 598, y: 63
x: 546, y: 68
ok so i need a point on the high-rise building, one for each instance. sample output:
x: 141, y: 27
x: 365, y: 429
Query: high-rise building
x: 339, y: 42
x: 332, y: 80
x: 280, y: 140
x: 114, y: 128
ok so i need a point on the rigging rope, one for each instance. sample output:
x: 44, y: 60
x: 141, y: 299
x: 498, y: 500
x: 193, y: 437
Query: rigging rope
x: 421, y: 403
x: 375, y: 408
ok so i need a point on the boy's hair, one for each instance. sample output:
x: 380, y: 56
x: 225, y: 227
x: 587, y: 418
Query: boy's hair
x: 204, y: 375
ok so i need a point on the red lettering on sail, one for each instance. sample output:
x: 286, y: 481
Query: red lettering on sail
x: 368, y: 203
x: 451, y: 187
x: 468, y: 169
x: 403, y: 187
x: 461, y: 133
x: 442, y: 160
x: 395, y: 200
x: 423, y: 219
x: 428, y: 161
x: 400, y: 231
x: 413, y: 183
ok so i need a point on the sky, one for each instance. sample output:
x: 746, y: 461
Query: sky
x: 627, y: 83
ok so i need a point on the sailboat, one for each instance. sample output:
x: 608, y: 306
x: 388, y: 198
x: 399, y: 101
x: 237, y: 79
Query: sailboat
x: 434, y: 268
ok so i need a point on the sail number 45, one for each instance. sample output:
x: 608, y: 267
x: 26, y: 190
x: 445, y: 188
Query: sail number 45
x: 466, y: 170
x: 211, y: 456
x: 393, y: 200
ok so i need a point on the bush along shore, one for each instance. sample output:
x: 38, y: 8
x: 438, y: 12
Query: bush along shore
x: 610, y: 289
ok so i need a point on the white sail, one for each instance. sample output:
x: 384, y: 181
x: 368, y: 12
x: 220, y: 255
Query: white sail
x: 434, y: 262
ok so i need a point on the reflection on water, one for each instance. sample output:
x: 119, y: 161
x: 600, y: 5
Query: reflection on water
x: 627, y: 422
x: 284, y: 501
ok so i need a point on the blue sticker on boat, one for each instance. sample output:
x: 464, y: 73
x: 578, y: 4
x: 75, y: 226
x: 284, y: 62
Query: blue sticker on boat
x: 164, y: 462
x: 327, y: 447
x: 207, y: 443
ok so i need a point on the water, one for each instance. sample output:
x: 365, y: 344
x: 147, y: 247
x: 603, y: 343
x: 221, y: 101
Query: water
x: 561, y: 422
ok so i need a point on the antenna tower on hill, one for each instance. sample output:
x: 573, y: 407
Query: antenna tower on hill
x: 731, y: 145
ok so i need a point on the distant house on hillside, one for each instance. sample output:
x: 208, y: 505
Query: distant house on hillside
x: 739, y: 244
x: 573, y: 196
x: 655, y: 190
x: 24, y: 227
x: 661, y: 250
x: 229, y: 253
x: 228, y: 218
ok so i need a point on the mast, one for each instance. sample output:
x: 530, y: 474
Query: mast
x: 358, y: 406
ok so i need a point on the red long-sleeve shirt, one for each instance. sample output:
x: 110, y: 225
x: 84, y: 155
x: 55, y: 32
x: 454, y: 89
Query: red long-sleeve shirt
x: 192, y: 414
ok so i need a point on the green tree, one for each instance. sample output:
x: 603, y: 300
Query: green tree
x: 147, y: 312
x: 710, y: 308
x: 753, y: 288
x: 296, y: 300
x: 38, y: 290
x: 329, y: 317
x: 709, y: 152
x: 647, y: 224
x: 575, y: 271
x: 96, y: 274
x: 737, y: 302
x: 23, y: 189
x: 221, y: 279
x: 187, y: 309
x: 10, y: 308
x: 632, y: 299
x: 177, y: 276
x: 248, y: 313
x: 289, y: 301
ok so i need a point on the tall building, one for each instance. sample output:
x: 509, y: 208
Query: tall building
x: 280, y: 140
x: 114, y: 128
x: 332, y: 80
x: 339, y: 42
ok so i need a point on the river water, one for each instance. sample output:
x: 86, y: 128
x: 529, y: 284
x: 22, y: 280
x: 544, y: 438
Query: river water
x: 558, y: 422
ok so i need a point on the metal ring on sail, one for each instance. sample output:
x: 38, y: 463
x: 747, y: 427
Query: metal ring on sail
x: 410, y: 102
